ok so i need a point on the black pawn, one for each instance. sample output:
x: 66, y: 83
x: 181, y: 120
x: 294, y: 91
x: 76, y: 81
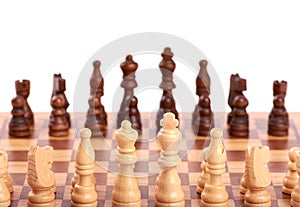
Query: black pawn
x: 239, y: 124
x: 18, y: 125
x: 205, y: 116
x: 278, y: 124
x: 134, y: 115
x: 58, y: 126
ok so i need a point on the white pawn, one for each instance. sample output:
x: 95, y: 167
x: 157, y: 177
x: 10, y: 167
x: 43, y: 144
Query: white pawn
x: 126, y: 191
x: 84, y: 193
x: 295, y: 196
x: 291, y: 178
x: 214, y: 193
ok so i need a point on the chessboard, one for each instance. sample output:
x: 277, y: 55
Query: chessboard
x: 148, y: 153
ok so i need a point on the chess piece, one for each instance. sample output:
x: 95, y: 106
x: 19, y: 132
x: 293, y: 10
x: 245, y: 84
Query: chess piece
x: 214, y: 192
x: 134, y: 115
x: 243, y: 183
x: 278, y: 122
x: 23, y: 89
x: 40, y: 177
x: 18, y: 125
x: 84, y: 192
x: 237, y: 86
x: 58, y: 125
x: 126, y: 191
x: 168, y: 190
x: 96, y: 118
x: 239, y: 124
x: 167, y: 102
x: 202, y: 88
x: 204, y: 177
x: 206, y: 122
x: 129, y: 83
x: 291, y: 178
x: 257, y: 177
x: 7, y: 177
x: 59, y: 87
x: 4, y: 192
x: 295, y: 196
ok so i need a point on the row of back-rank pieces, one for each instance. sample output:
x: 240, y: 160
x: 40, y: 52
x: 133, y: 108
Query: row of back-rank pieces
x: 96, y: 119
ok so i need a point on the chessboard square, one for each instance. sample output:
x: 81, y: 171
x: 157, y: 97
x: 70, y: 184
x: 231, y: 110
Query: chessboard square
x: 61, y: 179
x: 17, y: 155
x: 277, y: 166
x: 236, y: 166
x: 66, y: 203
x: 236, y: 155
x: 101, y: 178
x: 229, y: 191
x: 101, y: 167
x: 109, y: 190
x: 142, y: 154
x: 182, y: 167
x: 18, y: 144
x: 22, y: 202
x: 57, y: 144
x: 280, y: 144
x: 17, y: 167
x: 111, y: 179
x: 194, y: 155
x: 193, y: 178
x: 140, y: 145
x: 101, y: 191
x: 236, y: 193
x: 153, y: 168
x: 18, y: 178
x: 154, y: 145
x: 194, y: 166
x: 154, y: 155
x: 235, y: 178
x: 144, y: 192
x: 151, y: 192
x: 184, y: 177
x: 62, y: 155
x: 69, y: 178
x: 279, y: 155
x: 60, y: 167
x: 141, y: 167
x: 271, y: 190
x: 240, y: 144
x: 103, y: 155
x: 195, y: 202
x: 277, y: 178
x: 107, y: 203
x: 101, y: 143
x: 143, y: 180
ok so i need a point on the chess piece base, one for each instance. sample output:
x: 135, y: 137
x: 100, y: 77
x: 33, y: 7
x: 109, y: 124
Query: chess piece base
x: 177, y: 204
x: 255, y: 198
x: 278, y: 133
x: 94, y: 204
x: 50, y: 204
x: 132, y: 204
x: 204, y: 204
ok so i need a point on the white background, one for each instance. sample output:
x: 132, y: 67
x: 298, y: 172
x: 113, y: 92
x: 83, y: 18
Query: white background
x: 260, y: 40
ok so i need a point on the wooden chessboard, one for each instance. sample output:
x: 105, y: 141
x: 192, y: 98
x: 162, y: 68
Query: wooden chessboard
x: 148, y: 152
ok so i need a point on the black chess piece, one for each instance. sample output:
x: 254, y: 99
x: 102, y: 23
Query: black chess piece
x: 134, y: 115
x: 18, y: 125
x: 59, y: 87
x: 237, y: 86
x: 239, y: 123
x: 23, y: 89
x: 96, y: 118
x: 167, y: 102
x: 129, y: 68
x: 206, y: 121
x: 278, y: 122
x: 58, y: 124
x: 202, y: 88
